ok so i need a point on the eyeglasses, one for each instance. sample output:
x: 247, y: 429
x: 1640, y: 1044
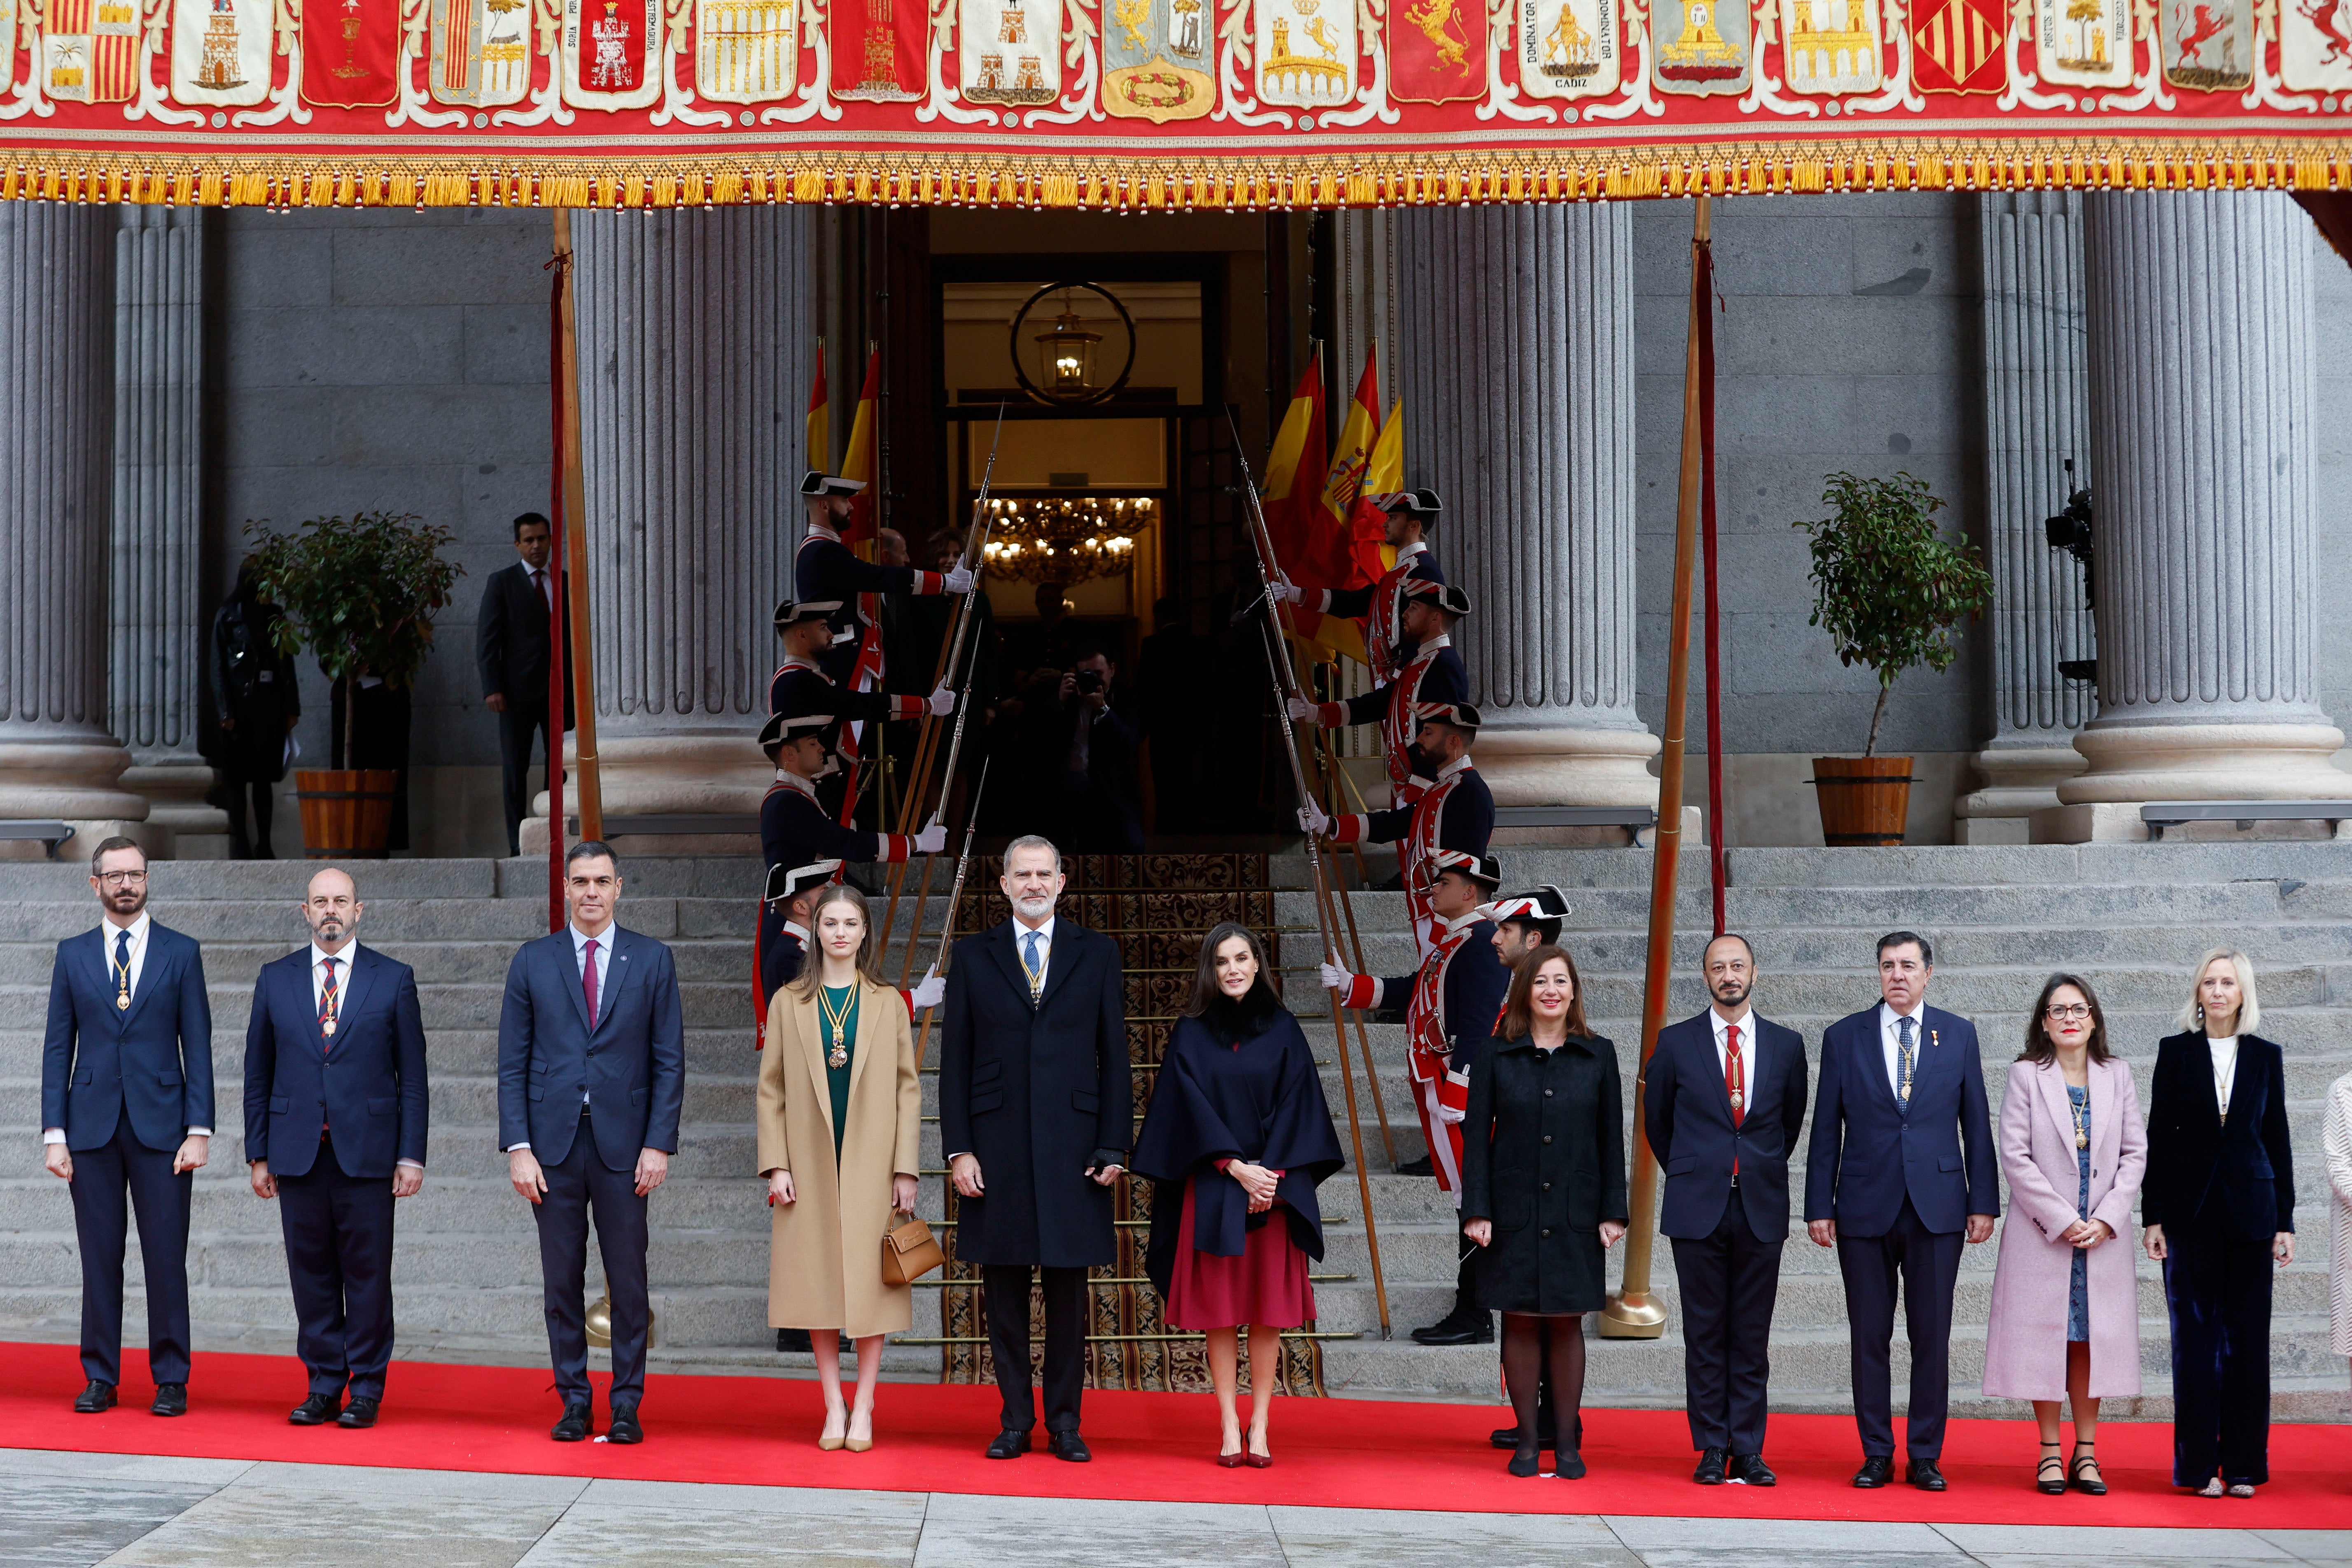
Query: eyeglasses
x: 122, y: 879
x: 2069, y: 1014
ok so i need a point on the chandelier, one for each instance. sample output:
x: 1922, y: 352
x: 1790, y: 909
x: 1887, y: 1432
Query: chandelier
x: 1066, y: 540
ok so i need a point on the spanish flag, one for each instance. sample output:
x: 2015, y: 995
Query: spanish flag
x: 820, y: 435
x: 1294, y: 474
x: 857, y: 462
x: 1330, y: 560
x: 1368, y: 525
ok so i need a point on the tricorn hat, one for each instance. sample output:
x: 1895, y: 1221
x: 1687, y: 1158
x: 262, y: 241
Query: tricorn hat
x: 813, y: 483
x: 791, y: 612
x: 1422, y: 504
x: 786, y: 884
x: 1444, y: 595
x: 1482, y: 870
x: 1461, y: 715
x: 785, y: 727
x: 1544, y: 906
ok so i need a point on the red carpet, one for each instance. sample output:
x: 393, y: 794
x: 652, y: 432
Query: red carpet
x: 1330, y: 1453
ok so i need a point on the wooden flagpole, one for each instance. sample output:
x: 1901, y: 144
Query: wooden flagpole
x: 1634, y: 1312
x: 576, y: 556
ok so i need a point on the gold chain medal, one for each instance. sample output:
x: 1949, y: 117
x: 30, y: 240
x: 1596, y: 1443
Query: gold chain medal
x: 836, y: 1032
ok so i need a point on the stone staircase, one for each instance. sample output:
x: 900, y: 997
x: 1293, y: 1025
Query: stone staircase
x: 2131, y: 917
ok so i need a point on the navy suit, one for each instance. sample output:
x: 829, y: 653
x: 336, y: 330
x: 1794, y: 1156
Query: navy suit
x: 332, y: 1116
x: 1900, y: 1181
x: 587, y: 1101
x: 126, y: 1084
x: 1726, y: 1212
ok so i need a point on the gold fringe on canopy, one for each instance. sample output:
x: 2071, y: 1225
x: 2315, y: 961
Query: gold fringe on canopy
x: 1104, y: 183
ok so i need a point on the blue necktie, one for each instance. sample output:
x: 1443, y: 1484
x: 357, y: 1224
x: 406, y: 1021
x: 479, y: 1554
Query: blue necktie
x: 121, y: 970
x: 1030, y: 966
x: 1903, y: 1058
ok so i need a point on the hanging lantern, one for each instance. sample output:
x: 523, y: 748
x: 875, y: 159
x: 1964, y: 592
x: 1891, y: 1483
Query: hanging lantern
x: 1065, y: 357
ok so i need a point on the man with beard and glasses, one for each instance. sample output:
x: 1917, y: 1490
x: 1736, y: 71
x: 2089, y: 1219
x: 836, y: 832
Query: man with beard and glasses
x: 1036, y: 1114
x: 127, y: 1109
x: 335, y: 1113
x: 1726, y: 1099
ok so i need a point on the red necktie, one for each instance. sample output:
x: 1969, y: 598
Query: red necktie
x: 588, y: 982
x: 1731, y: 1084
x: 326, y: 1011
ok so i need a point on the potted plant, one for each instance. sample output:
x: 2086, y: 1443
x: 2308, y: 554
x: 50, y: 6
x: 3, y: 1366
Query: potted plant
x: 1889, y: 590
x: 361, y: 591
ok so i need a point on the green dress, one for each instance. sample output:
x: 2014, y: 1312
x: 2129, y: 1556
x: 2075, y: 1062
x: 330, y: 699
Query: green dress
x: 836, y: 1079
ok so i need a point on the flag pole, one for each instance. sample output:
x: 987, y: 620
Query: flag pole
x: 1634, y: 1312
x: 1329, y: 764
x: 575, y: 562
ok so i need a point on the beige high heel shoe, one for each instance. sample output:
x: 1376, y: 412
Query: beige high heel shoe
x: 831, y: 1444
x: 860, y: 1445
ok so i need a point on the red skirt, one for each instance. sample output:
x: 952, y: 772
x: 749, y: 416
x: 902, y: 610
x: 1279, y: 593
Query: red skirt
x: 1266, y: 1285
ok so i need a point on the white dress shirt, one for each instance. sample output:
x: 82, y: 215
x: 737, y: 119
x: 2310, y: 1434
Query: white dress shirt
x: 543, y: 582
x: 1890, y: 1039
x: 2225, y: 1068
x: 1746, y: 1023
x: 319, y: 956
x: 580, y: 941
x: 108, y: 931
x: 1045, y: 947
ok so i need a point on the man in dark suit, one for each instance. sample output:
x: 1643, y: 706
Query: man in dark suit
x: 1036, y: 1113
x: 1100, y: 795
x: 1902, y: 1165
x: 510, y: 647
x: 592, y: 1079
x: 336, y: 1044
x: 1724, y: 1103
x: 127, y: 1108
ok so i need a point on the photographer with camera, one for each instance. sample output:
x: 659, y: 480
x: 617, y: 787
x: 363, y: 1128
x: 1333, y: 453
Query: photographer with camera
x: 1100, y: 801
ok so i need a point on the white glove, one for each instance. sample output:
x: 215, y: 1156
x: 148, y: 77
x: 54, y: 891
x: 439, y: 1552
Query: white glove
x: 959, y: 581
x: 1286, y: 591
x: 1335, y: 978
x: 1304, y: 712
x: 931, y: 989
x: 943, y: 702
x: 931, y: 839
x: 1314, y: 820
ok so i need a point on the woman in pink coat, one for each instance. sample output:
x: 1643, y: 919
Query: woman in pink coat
x: 2065, y: 1301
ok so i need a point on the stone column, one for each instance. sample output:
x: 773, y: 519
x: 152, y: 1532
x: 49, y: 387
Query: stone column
x: 695, y: 343
x: 2037, y: 418
x: 2202, y: 418
x: 156, y: 677
x: 1517, y: 347
x: 57, y: 387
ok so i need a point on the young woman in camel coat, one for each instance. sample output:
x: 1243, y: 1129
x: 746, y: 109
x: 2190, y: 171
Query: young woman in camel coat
x: 834, y: 1176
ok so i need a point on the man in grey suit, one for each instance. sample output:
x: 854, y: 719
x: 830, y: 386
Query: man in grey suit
x: 592, y: 1079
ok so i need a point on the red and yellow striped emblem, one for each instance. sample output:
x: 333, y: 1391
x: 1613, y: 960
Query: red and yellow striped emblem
x: 1958, y: 47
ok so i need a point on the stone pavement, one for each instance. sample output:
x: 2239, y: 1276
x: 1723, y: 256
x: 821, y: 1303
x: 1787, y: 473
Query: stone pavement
x: 71, y: 1510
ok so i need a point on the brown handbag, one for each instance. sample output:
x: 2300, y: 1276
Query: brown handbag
x: 909, y: 1252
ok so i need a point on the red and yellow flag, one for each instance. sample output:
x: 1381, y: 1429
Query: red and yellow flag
x: 1330, y: 560
x: 858, y: 461
x: 1368, y: 525
x: 1294, y: 473
x: 820, y: 409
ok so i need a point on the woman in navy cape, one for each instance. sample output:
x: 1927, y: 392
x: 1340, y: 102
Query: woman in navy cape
x: 1237, y: 1138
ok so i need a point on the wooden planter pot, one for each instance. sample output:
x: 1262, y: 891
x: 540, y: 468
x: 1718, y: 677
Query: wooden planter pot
x: 1864, y: 800
x: 346, y: 815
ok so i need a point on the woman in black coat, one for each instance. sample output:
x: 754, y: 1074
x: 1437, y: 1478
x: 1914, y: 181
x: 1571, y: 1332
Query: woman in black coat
x: 1543, y: 1190
x: 1238, y: 1137
x: 2218, y: 1205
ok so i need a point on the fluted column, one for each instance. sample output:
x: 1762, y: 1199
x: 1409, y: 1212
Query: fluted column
x: 56, y: 383
x: 156, y: 672
x: 695, y: 348
x: 2202, y: 419
x: 2037, y: 418
x: 1516, y: 348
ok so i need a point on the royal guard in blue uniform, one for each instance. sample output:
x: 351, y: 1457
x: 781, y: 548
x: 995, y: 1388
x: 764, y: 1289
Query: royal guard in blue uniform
x: 826, y: 570
x: 795, y: 831
x: 783, y: 940
x: 1433, y: 673
x: 800, y: 686
x: 1524, y: 922
x: 1450, y: 1005
x: 1444, y: 805
x: 1379, y: 606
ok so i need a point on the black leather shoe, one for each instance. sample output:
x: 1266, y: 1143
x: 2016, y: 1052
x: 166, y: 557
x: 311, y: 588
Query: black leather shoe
x: 359, y: 1415
x: 1925, y: 1476
x: 1507, y: 1437
x: 1877, y: 1471
x: 1009, y: 1445
x: 316, y: 1410
x: 1458, y: 1328
x: 1421, y: 1167
x: 1750, y: 1470
x: 1068, y: 1445
x: 98, y: 1396
x: 1710, y: 1466
x: 171, y: 1399
x: 1526, y: 1462
x: 578, y: 1422
x: 623, y: 1427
